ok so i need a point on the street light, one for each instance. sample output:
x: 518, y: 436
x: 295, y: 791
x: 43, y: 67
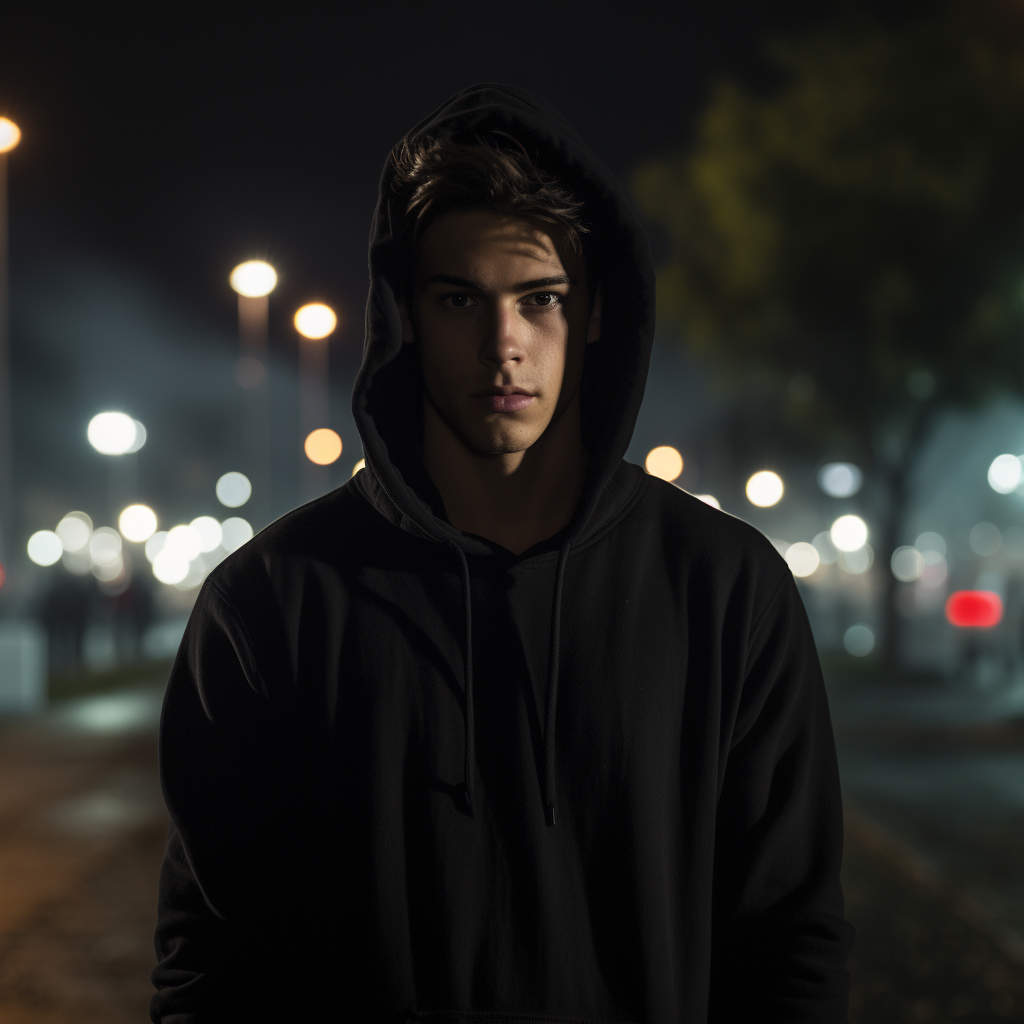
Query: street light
x: 10, y: 136
x: 254, y: 280
x: 315, y: 322
x: 118, y: 434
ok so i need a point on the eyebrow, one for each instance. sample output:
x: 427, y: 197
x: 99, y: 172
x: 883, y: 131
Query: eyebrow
x: 525, y: 286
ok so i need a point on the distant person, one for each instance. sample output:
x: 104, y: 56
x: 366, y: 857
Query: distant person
x: 503, y: 729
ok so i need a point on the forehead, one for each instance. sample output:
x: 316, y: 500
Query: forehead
x: 468, y: 242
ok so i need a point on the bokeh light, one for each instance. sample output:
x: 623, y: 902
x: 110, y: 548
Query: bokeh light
x: 929, y: 541
x: 233, y: 489
x: 709, y: 499
x: 664, y: 462
x: 764, y: 489
x: 185, y: 540
x: 236, y: 532
x: 840, y: 479
x: 322, y: 446
x: 979, y: 608
x: 803, y: 558
x: 849, y: 533
x: 45, y: 547
x: 10, y: 135
x: 315, y: 321
x: 857, y: 562
x: 137, y: 523
x: 112, y: 433
x: 105, y: 546
x: 827, y: 551
x: 140, y: 438
x: 253, y: 279
x: 1005, y: 473
x: 907, y: 564
x: 156, y: 544
x: 170, y: 566
x: 859, y: 640
x: 361, y: 464
x: 984, y: 539
x: 74, y: 531
x: 210, y: 532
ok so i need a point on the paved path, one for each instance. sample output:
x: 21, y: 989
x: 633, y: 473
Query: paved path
x: 931, y: 870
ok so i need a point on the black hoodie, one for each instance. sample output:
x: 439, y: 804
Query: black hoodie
x: 413, y: 776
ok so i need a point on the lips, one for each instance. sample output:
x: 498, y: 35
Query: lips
x: 504, y: 401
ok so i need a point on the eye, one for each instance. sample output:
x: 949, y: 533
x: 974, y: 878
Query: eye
x: 554, y: 299
x: 456, y: 298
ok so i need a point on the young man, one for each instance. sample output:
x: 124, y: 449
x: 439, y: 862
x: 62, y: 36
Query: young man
x: 504, y: 728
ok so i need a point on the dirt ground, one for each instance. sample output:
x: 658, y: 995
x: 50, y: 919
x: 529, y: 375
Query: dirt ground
x: 78, y: 948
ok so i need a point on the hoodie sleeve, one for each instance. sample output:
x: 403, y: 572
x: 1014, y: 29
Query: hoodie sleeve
x: 228, y: 886
x: 780, y: 940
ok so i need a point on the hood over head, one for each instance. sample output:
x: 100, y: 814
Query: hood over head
x: 387, y: 398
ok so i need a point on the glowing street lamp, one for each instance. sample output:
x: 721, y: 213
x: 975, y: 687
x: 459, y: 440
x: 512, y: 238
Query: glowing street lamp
x: 253, y: 281
x: 10, y: 136
x: 315, y: 322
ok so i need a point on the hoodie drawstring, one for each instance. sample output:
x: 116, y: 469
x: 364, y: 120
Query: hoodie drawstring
x: 549, y: 720
x: 469, y: 768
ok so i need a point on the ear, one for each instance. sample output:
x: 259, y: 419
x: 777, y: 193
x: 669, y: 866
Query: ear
x: 594, y: 327
x: 408, y: 334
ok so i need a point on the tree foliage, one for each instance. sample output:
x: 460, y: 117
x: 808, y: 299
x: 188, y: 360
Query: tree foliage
x: 857, y: 235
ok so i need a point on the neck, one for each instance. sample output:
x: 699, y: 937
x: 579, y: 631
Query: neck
x: 516, y: 499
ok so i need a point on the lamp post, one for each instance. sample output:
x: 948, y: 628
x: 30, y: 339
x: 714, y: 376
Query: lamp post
x: 315, y: 322
x: 254, y: 280
x: 10, y: 136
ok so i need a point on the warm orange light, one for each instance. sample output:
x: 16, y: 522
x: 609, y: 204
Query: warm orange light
x: 315, y: 321
x: 253, y: 279
x: 10, y: 136
x: 981, y: 608
x: 323, y: 446
x: 664, y: 462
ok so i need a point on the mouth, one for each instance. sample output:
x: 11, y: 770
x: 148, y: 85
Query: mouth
x: 511, y: 390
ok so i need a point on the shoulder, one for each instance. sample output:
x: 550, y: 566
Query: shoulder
x: 709, y: 546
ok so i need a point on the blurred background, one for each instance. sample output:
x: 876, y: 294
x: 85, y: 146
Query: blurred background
x: 834, y: 194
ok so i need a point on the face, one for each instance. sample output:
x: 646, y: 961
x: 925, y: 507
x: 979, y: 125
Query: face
x: 502, y: 323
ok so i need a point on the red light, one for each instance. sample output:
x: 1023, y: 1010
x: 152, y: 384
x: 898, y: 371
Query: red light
x: 3, y: 576
x: 979, y: 608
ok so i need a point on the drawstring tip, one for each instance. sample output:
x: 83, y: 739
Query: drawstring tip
x: 549, y: 814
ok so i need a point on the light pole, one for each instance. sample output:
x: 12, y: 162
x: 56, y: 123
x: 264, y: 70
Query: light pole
x: 10, y: 136
x: 315, y: 322
x: 254, y: 281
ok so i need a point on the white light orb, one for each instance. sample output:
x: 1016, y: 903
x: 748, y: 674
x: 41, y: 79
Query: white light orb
x: 253, y: 279
x: 10, y: 135
x: 803, y: 558
x: 209, y: 532
x: 156, y: 544
x: 764, y: 489
x: 185, y: 540
x: 929, y: 541
x: 137, y: 523
x: 859, y: 640
x: 664, y: 462
x: 236, y: 533
x: 840, y: 479
x: 857, y: 562
x: 107, y: 572
x: 233, y: 489
x: 985, y: 539
x: 709, y: 499
x: 140, y: 438
x: 74, y: 531
x: 45, y: 547
x: 315, y: 321
x: 170, y: 566
x: 907, y: 564
x: 1005, y: 473
x: 112, y: 433
x: 849, y: 533
x: 105, y: 546
x: 827, y: 551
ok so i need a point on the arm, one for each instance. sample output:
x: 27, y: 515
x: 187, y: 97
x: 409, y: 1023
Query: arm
x: 780, y: 940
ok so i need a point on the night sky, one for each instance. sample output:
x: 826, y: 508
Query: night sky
x: 156, y: 155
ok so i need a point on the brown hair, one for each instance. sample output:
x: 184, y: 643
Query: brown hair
x: 437, y: 176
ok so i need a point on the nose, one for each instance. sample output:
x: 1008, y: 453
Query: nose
x: 501, y: 345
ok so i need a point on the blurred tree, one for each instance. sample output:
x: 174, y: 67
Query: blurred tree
x: 856, y: 239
